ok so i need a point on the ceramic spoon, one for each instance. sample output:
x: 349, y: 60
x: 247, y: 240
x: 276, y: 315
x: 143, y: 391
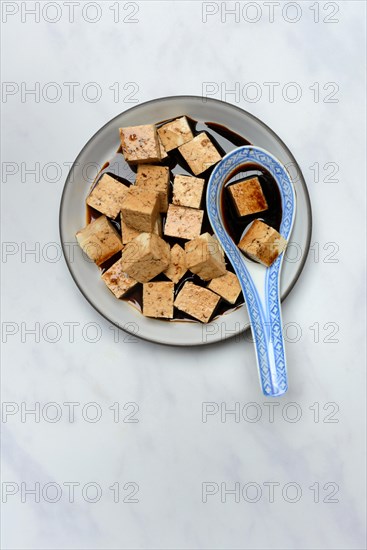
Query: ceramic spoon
x: 260, y: 285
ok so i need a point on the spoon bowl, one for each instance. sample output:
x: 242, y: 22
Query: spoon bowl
x: 260, y: 284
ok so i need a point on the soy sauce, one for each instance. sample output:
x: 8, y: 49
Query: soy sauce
x: 237, y: 226
x: 225, y: 141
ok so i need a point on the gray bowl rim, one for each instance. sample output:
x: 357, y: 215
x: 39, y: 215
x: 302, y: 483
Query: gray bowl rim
x: 210, y: 100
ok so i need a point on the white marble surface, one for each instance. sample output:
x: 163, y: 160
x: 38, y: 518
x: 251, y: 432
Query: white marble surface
x: 170, y: 452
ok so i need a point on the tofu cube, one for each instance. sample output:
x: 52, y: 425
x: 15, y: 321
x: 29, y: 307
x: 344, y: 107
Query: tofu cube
x: 140, y: 144
x: 128, y: 233
x: 188, y: 191
x: 200, y: 154
x: 182, y: 222
x: 140, y: 209
x: 175, y: 133
x: 248, y: 197
x: 262, y: 243
x: 162, y: 150
x: 145, y: 257
x: 177, y: 267
x: 158, y: 300
x: 117, y: 280
x: 156, y: 179
x: 99, y: 240
x: 197, y: 301
x: 227, y: 286
x: 107, y: 195
x: 205, y: 257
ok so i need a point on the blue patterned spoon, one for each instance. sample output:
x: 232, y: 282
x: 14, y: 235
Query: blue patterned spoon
x: 260, y: 285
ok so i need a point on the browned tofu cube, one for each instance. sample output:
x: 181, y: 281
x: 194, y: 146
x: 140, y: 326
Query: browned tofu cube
x: 175, y: 133
x: 156, y: 179
x: 205, y: 257
x: 140, y: 209
x: 177, y: 267
x: 248, y: 197
x: 99, y: 240
x: 107, y: 196
x: 227, y: 286
x: 262, y: 243
x: 128, y: 233
x: 199, y: 153
x: 117, y: 280
x: 197, y: 301
x: 158, y: 300
x: 188, y: 191
x: 182, y: 222
x: 140, y: 144
x: 145, y: 257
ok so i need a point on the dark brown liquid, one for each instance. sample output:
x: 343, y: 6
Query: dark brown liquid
x: 225, y: 141
x: 236, y: 226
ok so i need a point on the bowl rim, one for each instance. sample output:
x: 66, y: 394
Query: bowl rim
x: 206, y: 100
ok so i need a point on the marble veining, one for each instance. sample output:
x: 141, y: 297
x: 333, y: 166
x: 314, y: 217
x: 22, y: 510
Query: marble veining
x: 145, y: 432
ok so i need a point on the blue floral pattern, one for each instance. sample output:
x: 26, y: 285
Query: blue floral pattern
x: 265, y: 319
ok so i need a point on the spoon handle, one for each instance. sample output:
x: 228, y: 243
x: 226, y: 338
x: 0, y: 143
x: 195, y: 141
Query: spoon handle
x: 261, y: 291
